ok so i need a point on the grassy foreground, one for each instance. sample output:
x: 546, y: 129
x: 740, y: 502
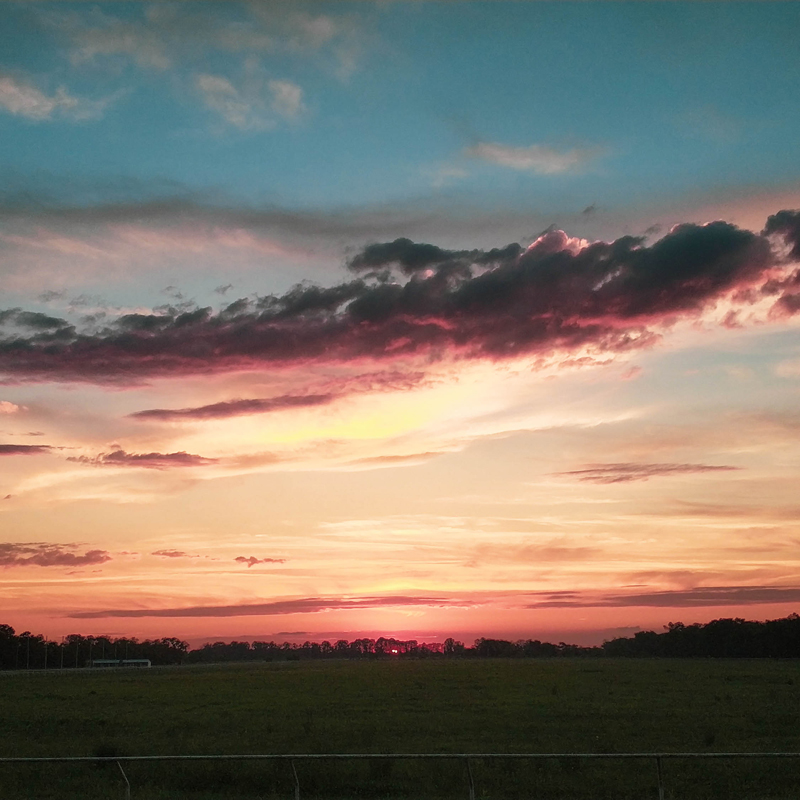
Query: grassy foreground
x: 557, y: 706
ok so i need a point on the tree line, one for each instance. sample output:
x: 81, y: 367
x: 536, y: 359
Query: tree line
x: 721, y: 638
x: 33, y: 651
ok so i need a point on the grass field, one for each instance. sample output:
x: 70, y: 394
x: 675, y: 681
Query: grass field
x: 511, y: 706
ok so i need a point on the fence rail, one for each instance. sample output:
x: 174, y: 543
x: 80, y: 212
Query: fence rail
x: 466, y: 757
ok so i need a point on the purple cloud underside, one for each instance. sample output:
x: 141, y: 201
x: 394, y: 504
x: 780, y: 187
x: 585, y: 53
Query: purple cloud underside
x: 235, y: 408
x: 252, y: 560
x: 23, y: 449
x: 41, y: 554
x: 119, y: 458
x: 331, y: 391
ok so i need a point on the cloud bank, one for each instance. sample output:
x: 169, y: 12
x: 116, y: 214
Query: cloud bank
x: 707, y: 596
x: 557, y: 296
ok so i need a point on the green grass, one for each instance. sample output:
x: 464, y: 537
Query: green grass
x: 557, y: 706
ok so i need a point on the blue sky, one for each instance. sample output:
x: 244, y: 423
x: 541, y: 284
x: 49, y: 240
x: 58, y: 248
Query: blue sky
x: 652, y: 99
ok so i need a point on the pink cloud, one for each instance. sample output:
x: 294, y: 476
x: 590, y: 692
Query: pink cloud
x: 172, y: 554
x: 252, y: 560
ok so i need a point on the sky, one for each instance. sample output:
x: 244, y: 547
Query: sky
x: 420, y: 319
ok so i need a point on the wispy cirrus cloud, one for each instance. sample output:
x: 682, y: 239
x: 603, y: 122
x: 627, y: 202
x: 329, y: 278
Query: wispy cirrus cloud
x: 537, y: 158
x: 23, y: 98
x: 410, y: 459
x: 627, y: 472
x: 41, y: 554
x: 165, y: 36
x: 120, y: 458
x: 254, y: 105
x: 286, y: 99
x: 559, y: 295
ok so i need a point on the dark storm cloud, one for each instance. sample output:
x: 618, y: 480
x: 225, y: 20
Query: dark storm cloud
x: 48, y: 555
x: 786, y: 223
x: 252, y: 560
x: 553, y: 297
x: 626, y: 472
x: 789, y: 304
x: 305, y: 605
x: 24, y: 449
x: 31, y: 319
x: 119, y: 458
x: 409, y: 256
x: 235, y: 408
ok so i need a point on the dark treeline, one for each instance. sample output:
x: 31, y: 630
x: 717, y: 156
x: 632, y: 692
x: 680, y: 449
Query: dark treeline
x: 722, y: 638
x: 380, y: 648
x: 32, y: 651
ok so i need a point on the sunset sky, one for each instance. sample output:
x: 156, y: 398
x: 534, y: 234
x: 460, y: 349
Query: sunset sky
x: 419, y: 319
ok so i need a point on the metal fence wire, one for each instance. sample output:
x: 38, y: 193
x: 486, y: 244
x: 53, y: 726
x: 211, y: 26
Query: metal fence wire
x: 467, y: 758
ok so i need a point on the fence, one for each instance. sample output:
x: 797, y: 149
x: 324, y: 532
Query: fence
x: 467, y: 758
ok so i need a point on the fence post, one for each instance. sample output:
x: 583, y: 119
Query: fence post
x: 127, y: 783
x: 296, y: 781
x: 660, y: 781
x: 471, y: 780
